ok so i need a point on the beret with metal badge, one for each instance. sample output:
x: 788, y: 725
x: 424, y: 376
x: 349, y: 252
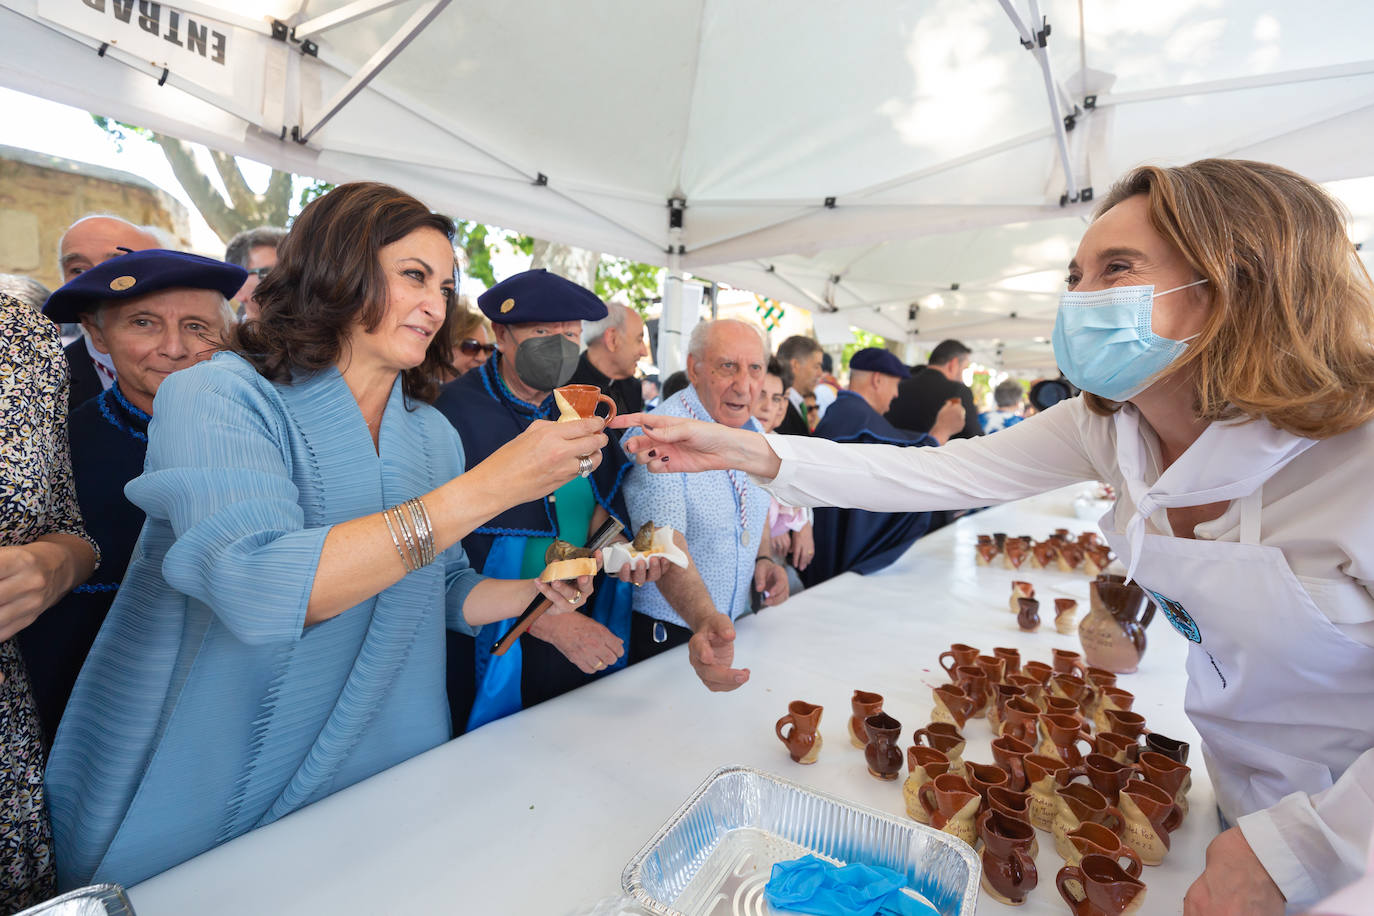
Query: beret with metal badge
x: 537, y: 295
x: 138, y: 273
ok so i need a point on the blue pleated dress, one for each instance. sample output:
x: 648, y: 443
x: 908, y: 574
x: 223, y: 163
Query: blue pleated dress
x: 206, y: 707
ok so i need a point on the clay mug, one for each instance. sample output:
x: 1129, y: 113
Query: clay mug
x: 1063, y: 706
x: 1150, y: 816
x: 1169, y: 747
x: 975, y: 686
x: 983, y: 776
x: 863, y: 704
x: 1078, y: 803
x: 1173, y: 777
x: 1125, y: 722
x: 1010, y: 802
x: 1121, y: 748
x: 1008, y: 863
x: 1033, y: 689
x: 1099, y: 677
x: 995, y: 668
x: 1097, y: 886
x: 1000, y: 695
x: 802, y: 741
x: 947, y: 739
x: 1065, y: 615
x: 925, y: 763
x: 1071, y: 687
x: 1009, y: 753
x: 1045, y: 775
x: 1038, y: 670
x: 952, y: 806
x: 1108, y: 776
x: 1110, y: 698
x: 1028, y: 614
x: 1095, y: 840
x: 1067, y: 662
x: 1011, y: 658
x: 999, y: 538
x: 952, y: 705
x: 1019, y: 720
x: 958, y: 654
x: 883, y: 753
x: 584, y: 398
x: 1019, y: 590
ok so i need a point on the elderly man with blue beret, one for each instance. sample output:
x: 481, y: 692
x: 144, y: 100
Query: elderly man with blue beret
x: 852, y: 539
x: 153, y: 312
x: 537, y: 320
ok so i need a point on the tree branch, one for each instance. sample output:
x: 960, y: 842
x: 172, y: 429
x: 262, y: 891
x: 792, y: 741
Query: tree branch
x: 240, y: 195
x: 211, y: 205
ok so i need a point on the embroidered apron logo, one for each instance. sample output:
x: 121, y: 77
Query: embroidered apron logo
x: 1178, y: 616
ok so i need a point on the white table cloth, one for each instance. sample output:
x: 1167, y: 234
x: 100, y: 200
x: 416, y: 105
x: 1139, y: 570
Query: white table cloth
x: 538, y: 813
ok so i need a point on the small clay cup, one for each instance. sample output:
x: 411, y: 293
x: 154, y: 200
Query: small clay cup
x: 1008, y: 862
x: 585, y: 398
x: 1110, y: 698
x: 863, y: 704
x: 1019, y: 720
x: 974, y: 682
x: 1121, y: 748
x: 1065, y: 615
x: 1173, y: 777
x: 1076, y: 804
x: 1033, y: 689
x: 1009, y: 753
x: 802, y: 741
x: 1011, y: 659
x: 1001, y: 694
x: 1044, y: 775
x: 956, y: 655
x: 1125, y: 722
x: 983, y: 776
x: 884, y: 752
x: 942, y: 736
x: 1107, y: 775
x: 952, y: 705
x: 1095, y: 840
x: 1038, y: 670
x: 1068, y: 662
x: 1019, y: 590
x: 1071, y: 687
x: 924, y: 763
x: 1150, y: 816
x: 1098, y: 886
x: 1169, y: 747
x: 995, y: 668
x: 1028, y: 614
x: 1061, y: 737
x: 952, y: 805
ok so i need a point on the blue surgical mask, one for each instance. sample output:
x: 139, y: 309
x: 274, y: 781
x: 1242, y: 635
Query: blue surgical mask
x: 1103, y: 342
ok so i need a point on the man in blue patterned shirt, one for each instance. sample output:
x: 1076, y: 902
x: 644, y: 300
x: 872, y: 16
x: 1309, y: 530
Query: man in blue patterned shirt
x: 719, y: 517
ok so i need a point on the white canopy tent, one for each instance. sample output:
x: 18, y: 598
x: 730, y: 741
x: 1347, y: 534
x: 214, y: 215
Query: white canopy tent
x: 928, y: 137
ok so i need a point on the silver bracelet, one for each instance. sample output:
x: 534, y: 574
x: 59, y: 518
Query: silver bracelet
x: 424, y: 534
x: 405, y: 561
x: 411, y: 550
x: 429, y: 525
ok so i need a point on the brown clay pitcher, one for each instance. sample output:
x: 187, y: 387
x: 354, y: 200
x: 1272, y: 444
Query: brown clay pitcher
x: 1097, y: 886
x: 585, y: 398
x: 1067, y: 662
x: 1045, y: 775
x: 956, y: 655
x: 974, y: 683
x: 1095, y: 840
x: 1065, y: 615
x: 1033, y: 689
x: 946, y: 738
x: 1107, y: 775
x: 1019, y: 590
x: 1150, y: 815
x: 982, y: 777
x: 1113, y: 632
x: 995, y: 668
x: 1071, y: 687
x: 952, y: 705
x: 1125, y: 722
x: 1169, y: 747
x: 952, y: 806
x: 1019, y: 720
x: 925, y: 763
x: 1121, y: 748
x: 1028, y: 614
x: 802, y: 741
x: 883, y: 753
x: 1000, y: 695
x: 1061, y: 736
x: 1076, y: 804
x: 1109, y: 698
x: 1011, y: 659
x: 1009, y: 753
x: 863, y: 704
x: 1173, y: 777
x: 1008, y: 863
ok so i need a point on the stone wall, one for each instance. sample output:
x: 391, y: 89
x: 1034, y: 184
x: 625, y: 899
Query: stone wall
x: 41, y: 195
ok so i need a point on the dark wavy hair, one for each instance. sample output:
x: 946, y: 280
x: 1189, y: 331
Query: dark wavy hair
x: 329, y: 278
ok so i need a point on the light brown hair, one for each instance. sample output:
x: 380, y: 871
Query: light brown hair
x: 466, y: 319
x: 1290, y: 334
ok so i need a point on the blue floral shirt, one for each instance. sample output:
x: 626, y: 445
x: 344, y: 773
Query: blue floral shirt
x: 705, y: 507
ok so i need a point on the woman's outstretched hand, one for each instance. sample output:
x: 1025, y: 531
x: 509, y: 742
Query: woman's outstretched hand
x: 677, y: 444
x: 543, y: 458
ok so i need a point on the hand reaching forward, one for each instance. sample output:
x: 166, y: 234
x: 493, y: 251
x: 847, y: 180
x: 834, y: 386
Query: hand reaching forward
x: 676, y: 444
x: 712, y: 651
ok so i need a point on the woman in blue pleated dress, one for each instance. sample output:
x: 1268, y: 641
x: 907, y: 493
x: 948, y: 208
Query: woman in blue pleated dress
x: 279, y: 634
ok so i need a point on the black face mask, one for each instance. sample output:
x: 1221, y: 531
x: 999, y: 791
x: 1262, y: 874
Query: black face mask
x: 546, y: 363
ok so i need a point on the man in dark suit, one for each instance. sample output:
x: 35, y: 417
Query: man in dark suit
x: 615, y: 345
x: 800, y: 358
x: 920, y: 397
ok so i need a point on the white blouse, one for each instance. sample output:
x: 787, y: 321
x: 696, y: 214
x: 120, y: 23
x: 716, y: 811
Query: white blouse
x: 1317, y: 510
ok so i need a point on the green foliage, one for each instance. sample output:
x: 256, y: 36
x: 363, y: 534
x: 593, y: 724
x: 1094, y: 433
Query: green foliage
x: 120, y: 131
x: 862, y: 341
x: 982, y: 389
x: 639, y: 282
x: 315, y: 189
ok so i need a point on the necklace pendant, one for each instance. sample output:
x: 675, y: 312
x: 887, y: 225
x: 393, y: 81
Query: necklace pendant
x: 744, y: 538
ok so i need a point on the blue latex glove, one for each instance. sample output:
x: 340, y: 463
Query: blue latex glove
x: 812, y: 885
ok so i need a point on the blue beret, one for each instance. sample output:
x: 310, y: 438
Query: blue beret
x: 875, y: 359
x: 139, y: 273
x: 537, y: 295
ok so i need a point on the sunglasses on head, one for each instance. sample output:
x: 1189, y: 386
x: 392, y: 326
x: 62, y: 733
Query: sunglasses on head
x: 470, y: 347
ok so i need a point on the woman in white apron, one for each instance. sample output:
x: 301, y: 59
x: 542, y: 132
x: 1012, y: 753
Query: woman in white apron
x: 1224, y: 327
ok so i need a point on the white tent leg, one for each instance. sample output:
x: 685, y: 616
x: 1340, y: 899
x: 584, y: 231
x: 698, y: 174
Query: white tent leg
x: 672, y: 342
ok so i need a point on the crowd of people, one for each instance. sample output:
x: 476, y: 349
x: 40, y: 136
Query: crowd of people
x: 267, y: 516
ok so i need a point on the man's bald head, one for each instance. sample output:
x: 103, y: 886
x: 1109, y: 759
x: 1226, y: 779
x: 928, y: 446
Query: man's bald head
x: 93, y: 239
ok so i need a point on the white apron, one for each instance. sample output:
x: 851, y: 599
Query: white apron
x: 1280, y: 697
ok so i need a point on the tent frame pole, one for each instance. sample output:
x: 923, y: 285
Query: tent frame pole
x: 342, y: 16
x: 383, y: 56
x: 1259, y: 81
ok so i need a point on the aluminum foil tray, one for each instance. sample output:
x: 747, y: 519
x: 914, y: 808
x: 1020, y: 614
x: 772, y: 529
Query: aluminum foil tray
x: 96, y: 900
x: 714, y: 856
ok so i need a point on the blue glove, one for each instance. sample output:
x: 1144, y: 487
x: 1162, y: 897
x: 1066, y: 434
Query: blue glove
x: 812, y: 885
